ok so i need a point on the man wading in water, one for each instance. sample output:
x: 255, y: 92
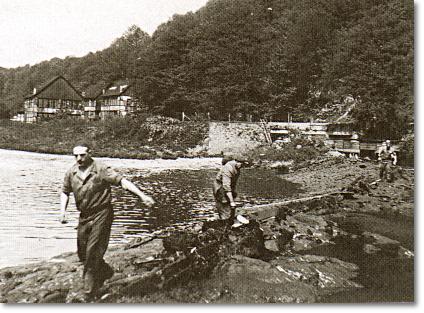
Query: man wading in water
x: 90, y: 182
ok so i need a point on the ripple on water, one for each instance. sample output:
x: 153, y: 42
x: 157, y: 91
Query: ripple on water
x: 30, y: 186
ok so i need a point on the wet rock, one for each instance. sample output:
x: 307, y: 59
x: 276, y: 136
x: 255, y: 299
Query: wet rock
x: 405, y: 253
x: 142, y: 284
x: 78, y: 297
x: 7, y: 275
x: 312, y: 220
x: 182, y: 241
x: 284, y: 238
x: 379, y: 240
x: 302, y: 242
x: 299, y: 279
x: 272, y: 245
x: 386, y: 245
x: 371, y: 249
x: 320, y: 271
x: 281, y: 214
x: 56, y: 297
x: 304, y: 231
x: 268, y: 232
x: 9, y: 286
x: 280, y: 167
x: 251, y: 240
x: 232, y: 238
x: 250, y: 280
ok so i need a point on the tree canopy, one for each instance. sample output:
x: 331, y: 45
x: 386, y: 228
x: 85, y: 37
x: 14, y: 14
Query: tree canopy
x: 256, y: 59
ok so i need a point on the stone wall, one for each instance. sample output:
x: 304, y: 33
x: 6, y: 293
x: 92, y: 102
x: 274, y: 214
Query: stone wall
x: 228, y: 137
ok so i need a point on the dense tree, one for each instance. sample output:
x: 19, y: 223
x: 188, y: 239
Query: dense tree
x: 256, y: 59
x: 372, y: 59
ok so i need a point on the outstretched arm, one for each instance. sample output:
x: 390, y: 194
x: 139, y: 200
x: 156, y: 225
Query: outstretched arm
x: 127, y: 185
x: 64, y: 200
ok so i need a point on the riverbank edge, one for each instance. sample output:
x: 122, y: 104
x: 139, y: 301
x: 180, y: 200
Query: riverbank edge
x: 362, y: 202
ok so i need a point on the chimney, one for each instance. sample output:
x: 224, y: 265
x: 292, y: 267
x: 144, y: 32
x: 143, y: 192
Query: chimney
x: 34, y: 91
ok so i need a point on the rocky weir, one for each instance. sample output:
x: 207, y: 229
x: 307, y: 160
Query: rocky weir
x: 268, y: 260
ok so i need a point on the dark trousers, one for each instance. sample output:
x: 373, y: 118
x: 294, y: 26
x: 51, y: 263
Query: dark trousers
x: 92, y: 241
x: 225, y: 211
x: 386, y: 171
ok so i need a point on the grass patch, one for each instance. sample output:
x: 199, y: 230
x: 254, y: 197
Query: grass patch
x: 130, y: 137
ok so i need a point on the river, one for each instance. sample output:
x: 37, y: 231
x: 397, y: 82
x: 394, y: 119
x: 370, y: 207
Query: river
x: 30, y: 185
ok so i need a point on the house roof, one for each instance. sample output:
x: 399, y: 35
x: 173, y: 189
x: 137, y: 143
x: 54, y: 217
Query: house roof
x: 92, y: 92
x: 115, y: 89
x: 57, y: 90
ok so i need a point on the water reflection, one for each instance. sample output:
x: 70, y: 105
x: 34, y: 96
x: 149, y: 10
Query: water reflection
x: 30, y: 184
x: 185, y: 196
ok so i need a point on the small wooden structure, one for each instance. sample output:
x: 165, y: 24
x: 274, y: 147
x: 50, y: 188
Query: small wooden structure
x: 343, y: 138
x: 56, y: 97
x: 280, y: 131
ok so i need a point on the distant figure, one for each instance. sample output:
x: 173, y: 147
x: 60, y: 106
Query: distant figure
x: 387, y: 157
x: 224, y: 187
x: 90, y: 181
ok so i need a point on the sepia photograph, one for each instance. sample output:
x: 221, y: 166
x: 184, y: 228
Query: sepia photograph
x: 208, y: 152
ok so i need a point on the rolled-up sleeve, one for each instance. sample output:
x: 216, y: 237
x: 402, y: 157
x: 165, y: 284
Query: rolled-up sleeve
x: 67, y: 186
x: 111, y: 176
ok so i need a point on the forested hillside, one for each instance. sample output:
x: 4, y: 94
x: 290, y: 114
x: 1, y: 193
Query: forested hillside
x: 259, y: 58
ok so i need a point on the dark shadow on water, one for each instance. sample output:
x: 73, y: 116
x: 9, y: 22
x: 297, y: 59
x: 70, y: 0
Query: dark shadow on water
x: 184, y: 197
x: 385, y: 276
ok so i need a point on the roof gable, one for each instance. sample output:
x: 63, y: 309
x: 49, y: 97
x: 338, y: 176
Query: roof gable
x: 115, y: 89
x: 57, y: 88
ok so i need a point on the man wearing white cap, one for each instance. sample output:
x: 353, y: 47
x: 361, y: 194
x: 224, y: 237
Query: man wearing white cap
x: 387, y: 157
x: 90, y: 181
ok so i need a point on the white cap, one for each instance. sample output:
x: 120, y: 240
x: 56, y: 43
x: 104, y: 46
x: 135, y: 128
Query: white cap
x: 80, y: 150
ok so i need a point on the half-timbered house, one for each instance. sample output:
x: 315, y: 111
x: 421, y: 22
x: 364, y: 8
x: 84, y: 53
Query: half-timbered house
x: 116, y: 100
x: 56, y: 97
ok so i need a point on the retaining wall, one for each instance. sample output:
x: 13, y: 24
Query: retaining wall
x: 229, y: 137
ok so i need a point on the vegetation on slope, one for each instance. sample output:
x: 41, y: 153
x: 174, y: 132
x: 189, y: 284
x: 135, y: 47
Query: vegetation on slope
x: 256, y: 59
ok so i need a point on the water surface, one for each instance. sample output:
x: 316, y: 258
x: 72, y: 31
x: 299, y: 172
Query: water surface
x: 385, y: 276
x: 30, y: 184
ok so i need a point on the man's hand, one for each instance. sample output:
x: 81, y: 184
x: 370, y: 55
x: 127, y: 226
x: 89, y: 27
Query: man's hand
x: 148, y: 201
x: 62, y: 218
x: 232, y: 204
